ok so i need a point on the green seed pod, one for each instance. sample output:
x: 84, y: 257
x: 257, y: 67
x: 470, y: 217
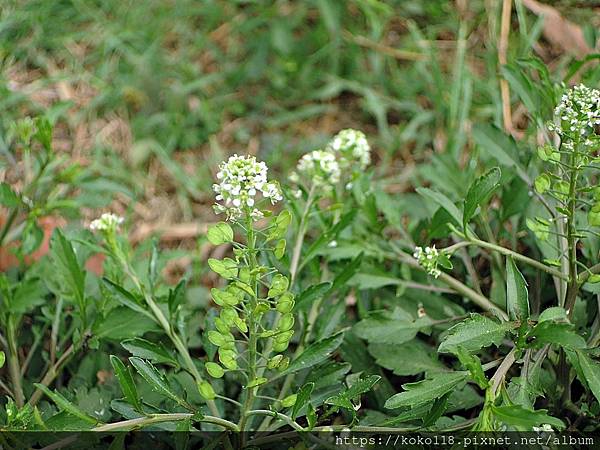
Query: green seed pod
x: 285, y: 303
x: 284, y: 337
x: 286, y: 322
x: 214, y: 370
x: 229, y: 316
x: 241, y: 325
x: 285, y: 362
x: 221, y: 326
x: 261, y: 308
x: 228, y: 358
x: 280, y: 347
x: 542, y: 183
x: 279, y: 285
x: 594, y: 215
x: 274, y: 361
x: 221, y: 339
x: 206, y: 390
x: 290, y: 400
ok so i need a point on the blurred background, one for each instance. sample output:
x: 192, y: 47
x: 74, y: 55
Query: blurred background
x: 150, y: 96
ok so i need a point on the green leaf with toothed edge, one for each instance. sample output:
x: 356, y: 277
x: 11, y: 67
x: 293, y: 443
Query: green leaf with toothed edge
x: 426, y: 391
x: 315, y: 353
x: 126, y: 382
x: 517, y: 298
x: 474, y: 333
x: 481, y: 189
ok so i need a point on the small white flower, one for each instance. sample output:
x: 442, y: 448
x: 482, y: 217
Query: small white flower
x: 547, y: 428
x: 332, y: 244
x: 353, y: 148
x: 579, y: 114
x: 106, y: 222
x: 428, y: 259
x: 241, y: 179
x: 319, y: 168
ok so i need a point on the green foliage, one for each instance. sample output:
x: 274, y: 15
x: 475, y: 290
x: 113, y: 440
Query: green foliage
x: 430, y: 290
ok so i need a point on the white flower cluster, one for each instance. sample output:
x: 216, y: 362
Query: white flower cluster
x: 241, y: 178
x: 320, y: 167
x: 428, y: 259
x: 353, y: 148
x: 106, y: 222
x: 545, y: 428
x: 323, y: 169
x: 578, y: 113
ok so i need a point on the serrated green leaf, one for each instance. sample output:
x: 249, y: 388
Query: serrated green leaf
x: 315, y: 353
x: 497, y: 144
x: 525, y: 419
x: 591, y: 371
x: 411, y: 358
x: 473, y: 365
x: 302, y: 399
x: 65, y: 405
x: 474, y: 333
x: 345, y: 398
x: 155, y: 379
x: 387, y: 327
x: 8, y: 197
x: 444, y: 202
x: 562, y: 334
x: 123, y: 323
x: 427, y: 390
x: 555, y: 313
x: 149, y: 350
x: 126, y: 382
x: 479, y: 192
x: 517, y: 299
x: 68, y: 267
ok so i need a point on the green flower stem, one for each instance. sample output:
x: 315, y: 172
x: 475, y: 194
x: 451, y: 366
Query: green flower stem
x: 573, y: 286
x: 300, y: 236
x: 506, y: 252
x: 314, y: 308
x: 160, y: 418
x: 14, y: 368
x: 252, y: 325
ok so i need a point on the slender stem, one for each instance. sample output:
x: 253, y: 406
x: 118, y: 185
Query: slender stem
x: 296, y: 253
x: 6, y: 389
x: 507, y: 252
x: 585, y: 275
x: 252, y: 326
x: 51, y: 374
x: 300, y: 236
x: 266, y: 412
x: 36, y: 343
x: 502, y: 370
x: 459, y: 287
x: 573, y: 287
x: 8, y: 224
x: 159, y: 418
x: 14, y: 367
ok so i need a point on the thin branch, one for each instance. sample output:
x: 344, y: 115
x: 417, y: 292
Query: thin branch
x: 160, y: 418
